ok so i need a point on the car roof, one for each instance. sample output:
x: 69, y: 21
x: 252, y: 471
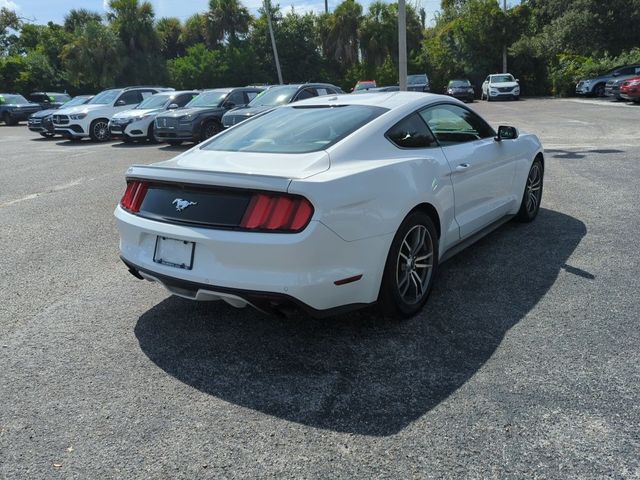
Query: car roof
x: 389, y: 100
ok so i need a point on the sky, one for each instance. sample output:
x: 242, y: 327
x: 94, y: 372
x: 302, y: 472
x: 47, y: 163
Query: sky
x: 43, y: 11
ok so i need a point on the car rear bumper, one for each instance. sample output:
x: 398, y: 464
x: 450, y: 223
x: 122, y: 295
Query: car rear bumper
x: 302, y: 267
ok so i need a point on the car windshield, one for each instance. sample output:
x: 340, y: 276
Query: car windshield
x: 459, y: 83
x: 75, y: 101
x: 363, y: 85
x: 416, y: 79
x: 154, y: 101
x: 295, y: 129
x: 502, y: 79
x: 12, y: 99
x: 273, y: 97
x: 104, y: 98
x: 59, y: 98
x: 213, y: 98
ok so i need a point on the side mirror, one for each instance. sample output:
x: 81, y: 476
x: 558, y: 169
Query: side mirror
x: 173, y: 106
x: 518, y: 80
x: 120, y: 103
x: 506, y: 133
x: 229, y: 105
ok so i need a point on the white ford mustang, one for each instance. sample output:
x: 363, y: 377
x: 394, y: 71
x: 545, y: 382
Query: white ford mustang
x: 329, y: 204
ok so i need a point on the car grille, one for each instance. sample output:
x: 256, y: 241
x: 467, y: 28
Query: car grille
x: 61, y: 119
x: 35, y: 121
x: 166, y: 122
x: 505, y: 89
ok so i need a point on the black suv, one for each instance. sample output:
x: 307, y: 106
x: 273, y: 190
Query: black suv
x: 15, y: 108
x: 49, y: 99
x: 201, y: 118
x: 278, y: 95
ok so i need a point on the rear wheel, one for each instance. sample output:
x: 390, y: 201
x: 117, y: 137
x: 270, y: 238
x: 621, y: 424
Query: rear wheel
x: 8, y: 120
x: 99, y: 130
x: 410, y: 267
x: 532, y: 196
x: 598, y: 91
x: 150, y: 135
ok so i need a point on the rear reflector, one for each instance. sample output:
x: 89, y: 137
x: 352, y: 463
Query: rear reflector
x: 134, y: 195
x: 274, y: 212
x: 344, y: 281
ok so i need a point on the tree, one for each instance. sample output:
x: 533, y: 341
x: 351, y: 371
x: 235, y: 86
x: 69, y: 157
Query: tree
x: 195, y: 30
x: 94, y: 58
x: 228, y: 20
x: 78, y: 18
x: 341, y: 42
x: 170, y: 35
x: 8, y: 21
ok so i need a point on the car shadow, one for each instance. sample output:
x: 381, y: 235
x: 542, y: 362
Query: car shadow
x: 141, y: 144
x: 361, y: 373
x: 578, y: 154
x: 177, y: 148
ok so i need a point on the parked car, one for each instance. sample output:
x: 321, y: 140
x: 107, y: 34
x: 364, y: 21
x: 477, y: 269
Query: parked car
x: 49, y: 99
x: 460, y: 89
x: 630, y: 89
x: 201, y: 118
x: 418, y: 83
x: 328, y: 209
x: 275, y: 96
x: 390, y: 88
x: 596, y: 86
x: 364, y: 85
x: 500, y: 85
x: 42, y: 121
x: 138, y: 123
x: 15, y: 108
x: 612, y: 87
x: 92, y: 119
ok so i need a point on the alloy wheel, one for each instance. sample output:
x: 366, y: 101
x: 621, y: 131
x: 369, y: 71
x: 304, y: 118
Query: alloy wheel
x: 414, y: 265
x: 101, y: 131
x: 534, y: 188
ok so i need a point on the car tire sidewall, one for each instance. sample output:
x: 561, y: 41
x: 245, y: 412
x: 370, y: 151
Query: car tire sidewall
x: 210, y: 124
x: 389, y: 297
x: 523, y: 214
x: 92, y: 128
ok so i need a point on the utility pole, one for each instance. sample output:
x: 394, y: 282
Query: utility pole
x: 504, y: 47
x: 267, y: 9
x: 402, y: 45
x: 326, y: 6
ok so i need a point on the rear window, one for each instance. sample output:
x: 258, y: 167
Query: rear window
x: 295, y: 129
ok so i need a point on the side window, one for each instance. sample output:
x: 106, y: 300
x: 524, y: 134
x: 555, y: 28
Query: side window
x: 307, y: 93
x: 131, y: 97
x: 36, y: 98
x: 251, y: 95
x: 452, y: 124
x: 411, y: 132
x: 322, y: 91
x: 147, y: 93
x: 236, y: 98
x: 182, y: 100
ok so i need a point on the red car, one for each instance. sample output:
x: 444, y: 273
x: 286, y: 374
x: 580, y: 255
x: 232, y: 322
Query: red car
x: 630, y: 89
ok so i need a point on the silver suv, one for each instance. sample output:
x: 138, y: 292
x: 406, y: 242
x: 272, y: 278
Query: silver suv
x: 596, y: 86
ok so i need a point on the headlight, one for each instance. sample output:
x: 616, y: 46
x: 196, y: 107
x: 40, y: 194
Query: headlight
x: 450, y: 90
x: 138, y: 118
x: 77, y: 116
x: 587, y: 83
x: 186, y: 119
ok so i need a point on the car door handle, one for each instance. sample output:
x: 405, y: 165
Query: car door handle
x: 462, y: 167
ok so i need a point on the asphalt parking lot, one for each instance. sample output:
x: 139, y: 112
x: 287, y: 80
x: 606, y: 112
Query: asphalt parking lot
x: 525, y: 363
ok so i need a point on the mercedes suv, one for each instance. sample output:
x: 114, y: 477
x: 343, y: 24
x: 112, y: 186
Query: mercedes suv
x: 92, y: 120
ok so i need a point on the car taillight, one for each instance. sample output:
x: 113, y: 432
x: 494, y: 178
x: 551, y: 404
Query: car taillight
x: 134, y: 195
x: 277, y: 212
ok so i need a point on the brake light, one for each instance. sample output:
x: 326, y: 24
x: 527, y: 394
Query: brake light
x: 134, y: 195
x: 276, y: 212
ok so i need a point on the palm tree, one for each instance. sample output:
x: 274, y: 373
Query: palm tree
x: 170, y: 35
x: 342, y: 29
x: 228, y: 20
x: 78, y: 18
x: 134, y: 23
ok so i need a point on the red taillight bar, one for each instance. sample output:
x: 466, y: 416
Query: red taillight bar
x: 277, y: 212
x: 134, y: 195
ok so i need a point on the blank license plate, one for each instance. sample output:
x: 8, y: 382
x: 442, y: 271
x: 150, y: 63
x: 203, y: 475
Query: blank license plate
x: 174, y: 253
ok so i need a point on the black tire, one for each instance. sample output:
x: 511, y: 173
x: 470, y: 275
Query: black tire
x: 532, y: 196
x: 516, y: 98
x: 598, y: 90
x: 46, y: 134
x: 209, y: 129
x: 127, y: 139
x: 8, y: 120
x: 150, y: 135
x: 488, y: 98
x: 174, y: 143
x: 99, y: 130
x: 405, y: 253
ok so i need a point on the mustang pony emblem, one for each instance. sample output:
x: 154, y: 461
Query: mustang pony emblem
x: 182, y: 204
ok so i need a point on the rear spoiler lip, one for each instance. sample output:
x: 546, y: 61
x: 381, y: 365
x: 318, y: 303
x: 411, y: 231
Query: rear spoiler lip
x: 209, y: 178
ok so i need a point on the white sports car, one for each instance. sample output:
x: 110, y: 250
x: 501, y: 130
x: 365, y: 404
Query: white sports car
x: 329, y: 204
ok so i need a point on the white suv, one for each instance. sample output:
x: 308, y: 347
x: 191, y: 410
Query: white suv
x: 137, y: 123
x: 92, y: 119
x: 500, y: 85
